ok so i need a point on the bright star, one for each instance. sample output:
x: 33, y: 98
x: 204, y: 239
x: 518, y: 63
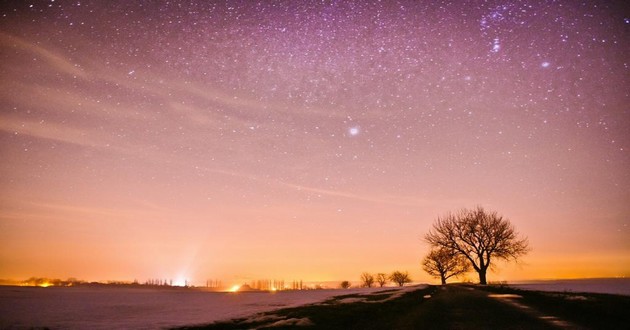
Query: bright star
x: 545, y: 64
x: 353, y: 130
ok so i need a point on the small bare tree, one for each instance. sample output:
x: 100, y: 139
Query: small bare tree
x: 400, y: 278
x: 345, y: 284
x: 445, y: 264
x: 381, y: 279
x: 367, y: 279
x: 479, y: 236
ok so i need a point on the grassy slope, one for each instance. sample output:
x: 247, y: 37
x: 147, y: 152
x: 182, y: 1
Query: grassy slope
x: 588, y: 310
x: 450, y: 308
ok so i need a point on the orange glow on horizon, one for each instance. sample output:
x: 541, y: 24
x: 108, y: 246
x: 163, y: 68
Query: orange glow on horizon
x: 313, y: 151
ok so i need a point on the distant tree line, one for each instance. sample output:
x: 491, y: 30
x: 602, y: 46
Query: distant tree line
x: 275, y: 285
x: 214, y: 284
x: 160, y: 282
x: 297, y: 285
x: 369, y: 280
x: 45, y: 282
x: 268, y: 285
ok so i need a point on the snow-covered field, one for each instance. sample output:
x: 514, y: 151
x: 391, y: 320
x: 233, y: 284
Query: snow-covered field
x: 139, y: 308
x: 599, y: 285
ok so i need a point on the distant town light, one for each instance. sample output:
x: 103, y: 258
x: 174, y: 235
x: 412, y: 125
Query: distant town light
x: 180, y: 282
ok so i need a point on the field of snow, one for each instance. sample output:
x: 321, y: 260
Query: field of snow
x: 598, y: 285
x: 143, y: 308
x: 140, y: 308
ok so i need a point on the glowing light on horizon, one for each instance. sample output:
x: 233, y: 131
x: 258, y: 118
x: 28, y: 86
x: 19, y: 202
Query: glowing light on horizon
x: 235, y: 288
x: 180, y: 282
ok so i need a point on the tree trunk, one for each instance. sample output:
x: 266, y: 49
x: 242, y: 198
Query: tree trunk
x: 443, y: 280
x: 482, y: 276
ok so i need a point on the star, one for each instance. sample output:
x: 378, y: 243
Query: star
x: 354, y: 131
x: 496, y: 45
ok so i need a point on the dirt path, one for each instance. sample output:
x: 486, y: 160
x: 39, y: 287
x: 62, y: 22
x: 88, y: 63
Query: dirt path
x: 515, y: 301
x: 459, y: 307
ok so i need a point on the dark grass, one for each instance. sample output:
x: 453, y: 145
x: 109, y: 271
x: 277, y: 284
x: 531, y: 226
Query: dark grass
x: 450, y: 308
x: 598, y: 311
x: 456, y: 307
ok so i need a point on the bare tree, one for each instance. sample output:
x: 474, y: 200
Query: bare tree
x: 345, y: 284
x: 444, y: 263
x: 382, y: 279
x: 367, y: 279
x: 479, y: 236
x: 400, y: 278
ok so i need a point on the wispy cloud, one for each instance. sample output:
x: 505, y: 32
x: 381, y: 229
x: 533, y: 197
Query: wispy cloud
x: 211, y: 108
x: 197, y: 115
x: 65, y: 133
x: 50, y: 131
x: 117, y: 212
x: 392, y: 200
x: 54, y: 59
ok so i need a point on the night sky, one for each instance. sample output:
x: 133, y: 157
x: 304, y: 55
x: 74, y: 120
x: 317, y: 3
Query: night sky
x: 308, y: 140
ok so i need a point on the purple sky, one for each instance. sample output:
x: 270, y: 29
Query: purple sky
x: 308, y: 139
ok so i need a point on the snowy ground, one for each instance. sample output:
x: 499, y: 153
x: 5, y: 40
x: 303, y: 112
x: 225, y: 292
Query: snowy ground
x: 600, y: 285
x: 131, y: 308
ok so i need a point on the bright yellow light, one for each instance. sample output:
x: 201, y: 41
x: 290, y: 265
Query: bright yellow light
x: 180, y: 282
x: 45, y: 285
x: 235, y: 288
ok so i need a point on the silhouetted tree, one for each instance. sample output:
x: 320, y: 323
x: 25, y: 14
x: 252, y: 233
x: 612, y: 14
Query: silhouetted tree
x: 367, y: 279
x: 345, y: 284
x: 479, y: 236
x: 400, y: 278
x: 444, y: 263
x: 382, y: 279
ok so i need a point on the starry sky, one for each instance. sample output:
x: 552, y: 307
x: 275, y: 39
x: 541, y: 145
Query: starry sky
x: 310, y: 140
